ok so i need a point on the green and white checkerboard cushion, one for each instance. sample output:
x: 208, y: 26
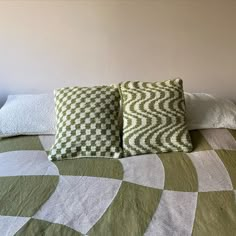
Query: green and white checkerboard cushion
x: 87, y: 123
x: 154, y: 117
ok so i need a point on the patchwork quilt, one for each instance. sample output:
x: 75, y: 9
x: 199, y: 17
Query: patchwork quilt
x: 165, y: 194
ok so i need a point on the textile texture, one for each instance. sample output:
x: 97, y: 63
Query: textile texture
x: 27, y: 114
x: 87, y: 123
x: 154, y: 118
x: 157, y: 194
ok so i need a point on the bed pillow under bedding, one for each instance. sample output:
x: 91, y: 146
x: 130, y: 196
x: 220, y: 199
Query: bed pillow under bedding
x: 203, y: 111
x: 28, y: 114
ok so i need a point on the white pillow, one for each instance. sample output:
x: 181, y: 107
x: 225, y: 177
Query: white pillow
x: 35, y: 114
x: 204, y: 111
x: 28, y: 115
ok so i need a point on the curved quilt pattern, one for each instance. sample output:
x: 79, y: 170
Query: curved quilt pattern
x: 165, y: 194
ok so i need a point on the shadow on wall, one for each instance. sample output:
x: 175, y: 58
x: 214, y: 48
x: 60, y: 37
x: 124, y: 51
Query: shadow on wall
x: 3, y: 98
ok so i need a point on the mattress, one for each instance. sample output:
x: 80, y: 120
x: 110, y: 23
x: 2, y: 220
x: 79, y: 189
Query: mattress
x: 157, y: 194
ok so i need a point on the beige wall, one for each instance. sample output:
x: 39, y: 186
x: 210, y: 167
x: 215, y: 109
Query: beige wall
x: 47, y: 44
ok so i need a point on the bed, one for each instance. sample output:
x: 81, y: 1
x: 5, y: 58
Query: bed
x: 165, y: 194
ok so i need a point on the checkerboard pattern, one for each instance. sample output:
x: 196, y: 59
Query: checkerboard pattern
x: 165, y: 194
x: 87, y: 123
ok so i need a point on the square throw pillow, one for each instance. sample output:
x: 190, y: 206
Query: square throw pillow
x: 87, y: 123
x: 154, y: 117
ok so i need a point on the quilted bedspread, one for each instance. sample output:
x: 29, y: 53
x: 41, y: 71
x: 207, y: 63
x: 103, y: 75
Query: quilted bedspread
x: 165, y: 194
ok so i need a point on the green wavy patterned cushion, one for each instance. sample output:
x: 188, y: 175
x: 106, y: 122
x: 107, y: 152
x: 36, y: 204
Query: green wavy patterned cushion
x: 87, y: 123
x: 154, y: 117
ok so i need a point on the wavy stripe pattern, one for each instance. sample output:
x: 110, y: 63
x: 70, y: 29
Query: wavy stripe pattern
x: 154, y: 117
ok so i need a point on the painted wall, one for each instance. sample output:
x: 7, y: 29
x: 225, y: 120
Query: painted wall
x: 49, y: 44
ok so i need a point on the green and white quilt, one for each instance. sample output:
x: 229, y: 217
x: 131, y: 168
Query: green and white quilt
x: 164, y: 194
